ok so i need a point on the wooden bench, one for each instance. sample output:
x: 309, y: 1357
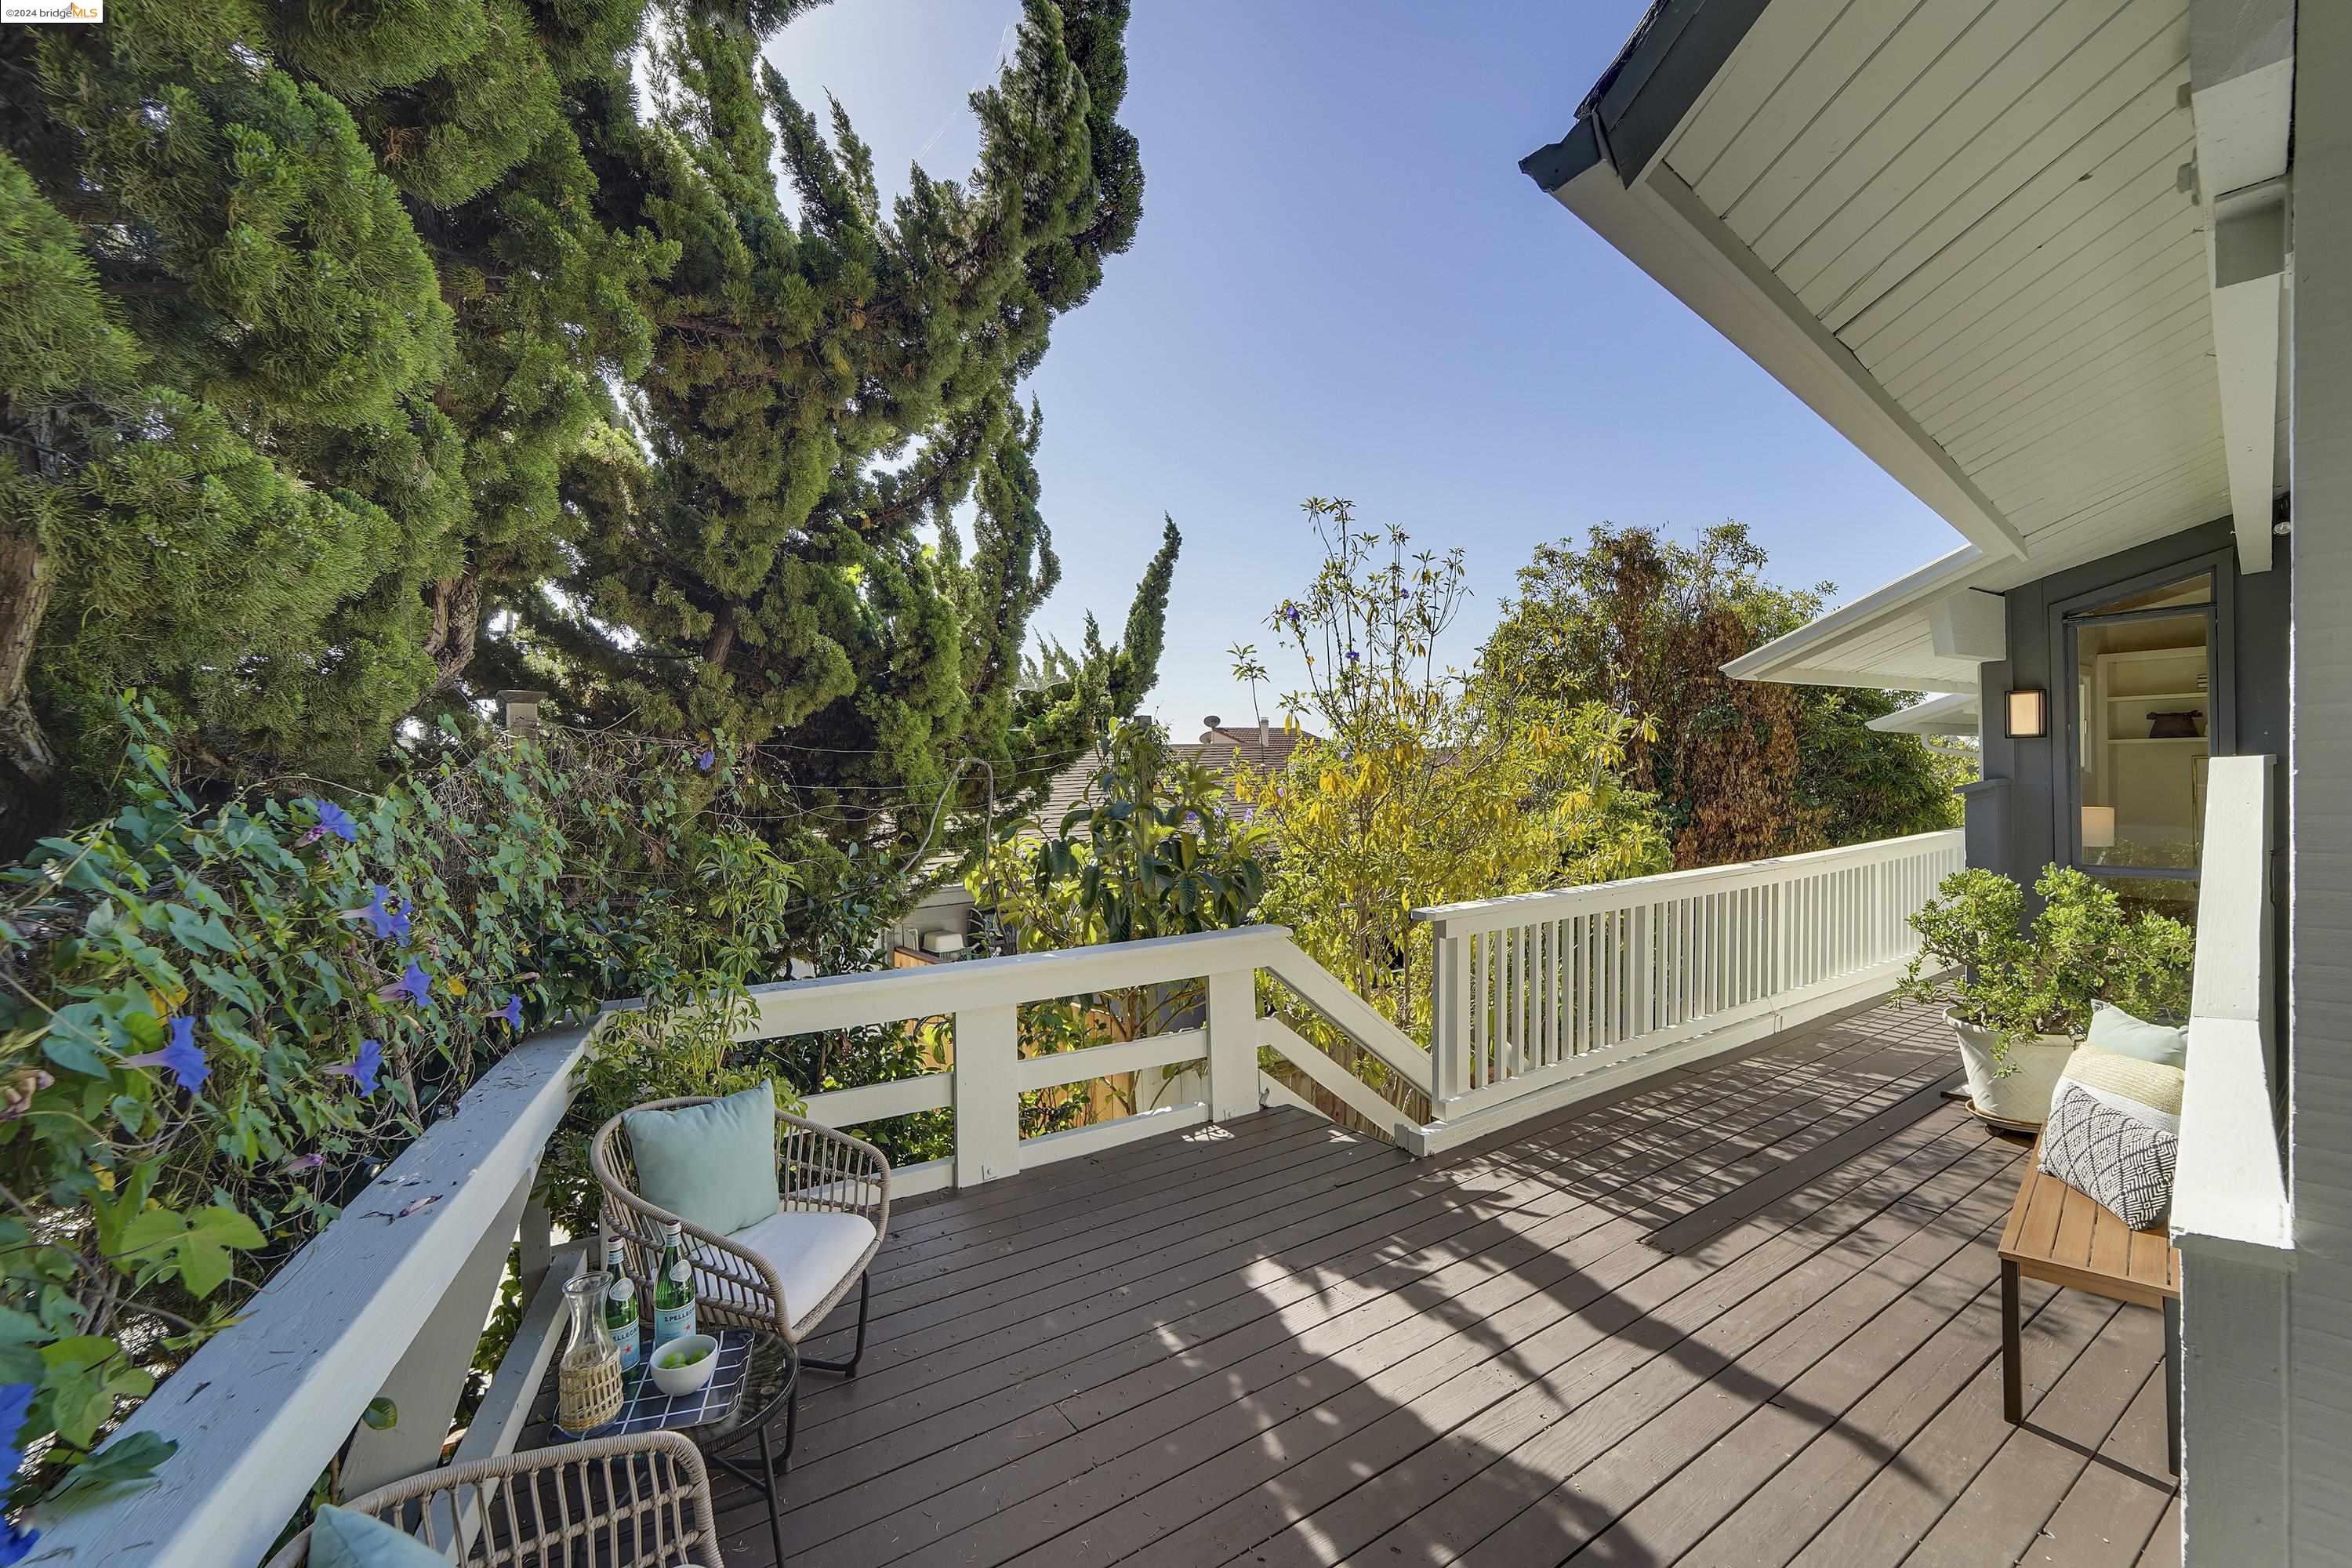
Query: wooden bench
x: 2058, y: 1235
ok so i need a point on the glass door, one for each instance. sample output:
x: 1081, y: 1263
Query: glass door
x: 2142, y: 675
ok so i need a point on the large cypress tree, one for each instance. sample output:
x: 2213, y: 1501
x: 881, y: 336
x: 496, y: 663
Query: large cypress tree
x: 361, y: 326
x: 830, y: 383
x: 235, y: 232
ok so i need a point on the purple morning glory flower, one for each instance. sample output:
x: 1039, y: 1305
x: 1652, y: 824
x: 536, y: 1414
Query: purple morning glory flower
x: 512, y: 1013
x: 413, y: 983
x: 334, y: 819
x: 182, y: 1055
x: 378, y: 913
x: 1351, y: 655
x: 707, y: 760
x: 15, y: 1401
x: 310, y: 1162
x: 365, y: 1068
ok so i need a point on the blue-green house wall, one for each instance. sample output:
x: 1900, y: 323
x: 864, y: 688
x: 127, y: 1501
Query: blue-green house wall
x: 2016, y: 816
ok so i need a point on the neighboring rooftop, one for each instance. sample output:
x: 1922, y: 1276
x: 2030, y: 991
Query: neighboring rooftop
x: 1261, y: 745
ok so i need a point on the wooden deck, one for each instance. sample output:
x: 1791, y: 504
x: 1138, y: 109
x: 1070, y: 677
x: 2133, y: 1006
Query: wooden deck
x: 1744, y: 1313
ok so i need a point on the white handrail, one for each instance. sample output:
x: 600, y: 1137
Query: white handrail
x: 2229, y: 1192
x: 2232, y: 1217
x: 259, y: 1409
x: 890, y: 995
x: 1557, y: 903
x: 981, y: 994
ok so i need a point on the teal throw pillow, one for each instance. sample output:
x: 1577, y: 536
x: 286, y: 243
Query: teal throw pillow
x: 2115, y: 1030
x: 343, y: 1539
x: 712, y: 1165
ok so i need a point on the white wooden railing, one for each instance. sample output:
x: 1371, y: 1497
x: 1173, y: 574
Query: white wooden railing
x: 2230, y: 1215
x: 1535, y: 995
x: 1540, y: 996
x: 1217, y: 1061
x: 391, y: 1298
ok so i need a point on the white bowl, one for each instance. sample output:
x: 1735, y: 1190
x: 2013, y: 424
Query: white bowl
x: 694, y: 1375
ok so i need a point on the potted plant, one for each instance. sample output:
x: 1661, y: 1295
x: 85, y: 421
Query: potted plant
x: 2018, y: 993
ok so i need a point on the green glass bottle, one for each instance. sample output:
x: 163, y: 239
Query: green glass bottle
x: 621, y: 1307
x: 673, y: 1290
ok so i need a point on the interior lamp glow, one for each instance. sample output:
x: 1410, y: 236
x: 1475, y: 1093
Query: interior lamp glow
x: 2029, y: 714
x: 2099, y: 828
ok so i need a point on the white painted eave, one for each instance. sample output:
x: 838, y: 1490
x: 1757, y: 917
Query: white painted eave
x: 1664, y: 229
x: 1953, y: 713
x: 1807, y: 655
x: 2241, y: 80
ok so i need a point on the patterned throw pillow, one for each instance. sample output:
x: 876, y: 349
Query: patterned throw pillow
x: 2114, y: 1132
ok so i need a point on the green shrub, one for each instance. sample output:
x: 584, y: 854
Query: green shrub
x: 1981, y: 958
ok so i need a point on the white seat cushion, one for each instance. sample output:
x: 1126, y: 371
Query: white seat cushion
x: 812, y: 1250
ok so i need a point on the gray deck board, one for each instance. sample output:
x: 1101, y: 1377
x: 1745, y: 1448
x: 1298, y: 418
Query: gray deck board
x: 1739, y: 1313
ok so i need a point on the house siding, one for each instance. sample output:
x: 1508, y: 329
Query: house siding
x: 2320, y: 1016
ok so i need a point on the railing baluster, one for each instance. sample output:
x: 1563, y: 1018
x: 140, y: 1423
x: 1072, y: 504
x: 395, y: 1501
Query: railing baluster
x: 1609, y: 956
x: 1581, y: 1020
x: 1547, y: 1004
x: 1518, y: 1001
x: 1479, y: 943
x: 1507, y: 1031
x: 1550, y: 929
x: 1682, y: 961
x: 1530, y: 1037
x: 1725, y: 972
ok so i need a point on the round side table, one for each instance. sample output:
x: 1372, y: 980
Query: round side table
x: 774, y: 1368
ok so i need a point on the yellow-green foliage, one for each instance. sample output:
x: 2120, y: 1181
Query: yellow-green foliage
x: 1422, y: 791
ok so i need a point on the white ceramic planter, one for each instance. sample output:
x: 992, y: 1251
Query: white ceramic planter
x: 2022, y: 1093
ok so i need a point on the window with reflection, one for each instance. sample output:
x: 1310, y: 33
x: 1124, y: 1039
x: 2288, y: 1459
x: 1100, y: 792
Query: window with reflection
x: 2142, y: 674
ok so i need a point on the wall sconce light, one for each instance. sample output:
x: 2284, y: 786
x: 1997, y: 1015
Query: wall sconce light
x: 2029, y: 715
x: 2099, y: 828
x: 519, y: 711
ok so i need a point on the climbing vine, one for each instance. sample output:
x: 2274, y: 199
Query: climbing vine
x: 219, y: 1019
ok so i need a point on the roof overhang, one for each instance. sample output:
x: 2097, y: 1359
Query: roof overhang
x: 1954, y: 713
x: 2030, y: 258
x: 1887, y: 638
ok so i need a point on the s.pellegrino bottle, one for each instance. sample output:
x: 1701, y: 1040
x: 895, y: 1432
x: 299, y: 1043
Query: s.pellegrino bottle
x: 621, y: 1307
x: 673, y: 1290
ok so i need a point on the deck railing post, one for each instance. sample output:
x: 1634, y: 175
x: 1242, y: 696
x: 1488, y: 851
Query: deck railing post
x: 987, y: 1094
x: 423, y: 1387
x: 535, y: 1245
x: 1449, y: 1016
x: 1232, y: 1044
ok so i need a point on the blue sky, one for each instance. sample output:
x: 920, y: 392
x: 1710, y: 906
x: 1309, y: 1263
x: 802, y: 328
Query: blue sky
x: 1343, y: 286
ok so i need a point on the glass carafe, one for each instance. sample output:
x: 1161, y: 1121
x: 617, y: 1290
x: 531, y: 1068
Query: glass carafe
x: 588, y: 1378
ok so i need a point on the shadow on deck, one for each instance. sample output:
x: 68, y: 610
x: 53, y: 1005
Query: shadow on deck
x: 1743, y: 1313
